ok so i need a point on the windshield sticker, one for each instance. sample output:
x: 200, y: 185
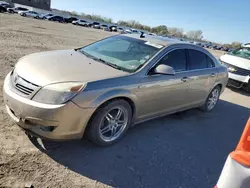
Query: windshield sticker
x: 154, y: 45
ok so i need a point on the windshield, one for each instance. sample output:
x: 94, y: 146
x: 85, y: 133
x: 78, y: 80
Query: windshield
x: 243, y: 52
x: 125, y: 53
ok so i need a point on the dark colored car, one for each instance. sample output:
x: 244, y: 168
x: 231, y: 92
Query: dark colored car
x: 56, y: 19
x: 225, y: 48
x: 113, y: 28
x: 3, y: 9
x: 70, y: 19
x: 219, y: 48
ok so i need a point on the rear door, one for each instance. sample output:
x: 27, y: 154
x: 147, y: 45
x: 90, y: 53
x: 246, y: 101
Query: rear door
x: 202, y: 76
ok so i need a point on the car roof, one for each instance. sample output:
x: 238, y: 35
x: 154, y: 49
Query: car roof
x: 164, y: 41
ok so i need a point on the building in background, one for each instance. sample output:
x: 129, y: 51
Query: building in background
x: 41, y: 4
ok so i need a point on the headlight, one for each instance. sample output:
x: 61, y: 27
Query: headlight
x: 58, y: 93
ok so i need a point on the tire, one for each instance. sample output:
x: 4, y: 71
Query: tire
x: 247, y: 87
x: 24, y: 15
x: 103, y: 119
x: 206, y: 107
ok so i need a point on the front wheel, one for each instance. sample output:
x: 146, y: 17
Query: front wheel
x: 212, y: 99
x: 24, y: 15
x: 110, y: 123
x: 247, y: 87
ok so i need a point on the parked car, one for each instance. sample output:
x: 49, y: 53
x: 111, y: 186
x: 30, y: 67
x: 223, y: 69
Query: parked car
x: 96, y: 25
x: 29, y: 13
x: 16, y: 9
x: 238, y: 64
x: 113, y: 28
x: 128, y: 31
x: 5, y: 4
x: 104, y: 27
x: 45, y: 16
x: 59, y: 19
x: 214, y: 47
x: 218, y: 47
x: 102, y: 89
x: 2, y: 9
x: 70, y: 19
x: 225, y: 48
x: 81, y: 23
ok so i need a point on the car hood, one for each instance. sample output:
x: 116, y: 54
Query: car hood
x: 236, y: 61
x: 63, y: 66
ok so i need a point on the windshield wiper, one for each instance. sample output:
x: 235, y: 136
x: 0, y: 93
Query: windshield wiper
x: 101, y: 60
x: 110, y: 64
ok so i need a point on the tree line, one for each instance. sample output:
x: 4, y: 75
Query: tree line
x: 163, y: 30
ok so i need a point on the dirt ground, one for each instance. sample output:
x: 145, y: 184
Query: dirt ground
x: 184, y: 150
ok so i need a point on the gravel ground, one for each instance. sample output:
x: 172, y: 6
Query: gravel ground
x: 184, y: 150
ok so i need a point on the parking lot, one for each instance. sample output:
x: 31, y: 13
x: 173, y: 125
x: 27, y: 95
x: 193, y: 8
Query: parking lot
x: 183, y: 150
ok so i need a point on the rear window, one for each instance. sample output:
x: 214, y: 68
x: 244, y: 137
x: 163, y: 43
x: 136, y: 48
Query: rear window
x: 22, y: 8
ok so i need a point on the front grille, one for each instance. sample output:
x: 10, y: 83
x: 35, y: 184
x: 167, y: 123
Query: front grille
x: 23, y: 89
x: 22, y: 86
x: 237, y: 70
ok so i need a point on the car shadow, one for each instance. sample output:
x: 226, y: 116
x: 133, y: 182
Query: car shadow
x: 186, y: 149
x: 240, y: 91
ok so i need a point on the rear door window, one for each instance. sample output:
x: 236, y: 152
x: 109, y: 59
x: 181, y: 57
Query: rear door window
x: 198, y: 60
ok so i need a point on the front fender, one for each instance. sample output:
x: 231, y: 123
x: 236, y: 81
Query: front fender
x: 116, y: 93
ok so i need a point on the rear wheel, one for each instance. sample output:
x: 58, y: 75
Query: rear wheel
x: 110, y: 123
x: 24, y: 14
x: 212, y: 99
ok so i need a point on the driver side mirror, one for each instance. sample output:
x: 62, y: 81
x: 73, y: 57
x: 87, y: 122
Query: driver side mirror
x: 164, y: 69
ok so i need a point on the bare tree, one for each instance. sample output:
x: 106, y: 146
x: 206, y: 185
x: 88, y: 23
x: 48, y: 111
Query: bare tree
x: 177, y: 32
x: 195, y: 35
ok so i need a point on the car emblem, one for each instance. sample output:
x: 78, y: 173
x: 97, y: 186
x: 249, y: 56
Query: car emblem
x: 231, y: 69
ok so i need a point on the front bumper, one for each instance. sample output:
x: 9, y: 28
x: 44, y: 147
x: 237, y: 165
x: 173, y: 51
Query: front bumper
x: 238, y: 81
x: 55, y: 122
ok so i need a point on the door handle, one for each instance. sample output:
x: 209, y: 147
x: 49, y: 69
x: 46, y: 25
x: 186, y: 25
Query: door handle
x: 185, y: 79
x: 212, y: 74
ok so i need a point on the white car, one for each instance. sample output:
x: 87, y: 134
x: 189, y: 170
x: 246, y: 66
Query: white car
x: 81, y: 22
x: 238, y: 64
x: 29, y: 14
x: 16, y: 9
x: 45, y: 16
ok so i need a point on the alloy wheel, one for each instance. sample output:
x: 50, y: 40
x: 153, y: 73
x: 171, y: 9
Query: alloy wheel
x: 113, y: 124
x: 213, y: 99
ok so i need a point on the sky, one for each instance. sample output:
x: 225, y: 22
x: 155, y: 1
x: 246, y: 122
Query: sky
x: 221, y: 21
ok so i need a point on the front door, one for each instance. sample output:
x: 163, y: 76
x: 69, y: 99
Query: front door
x: 160, y: 94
